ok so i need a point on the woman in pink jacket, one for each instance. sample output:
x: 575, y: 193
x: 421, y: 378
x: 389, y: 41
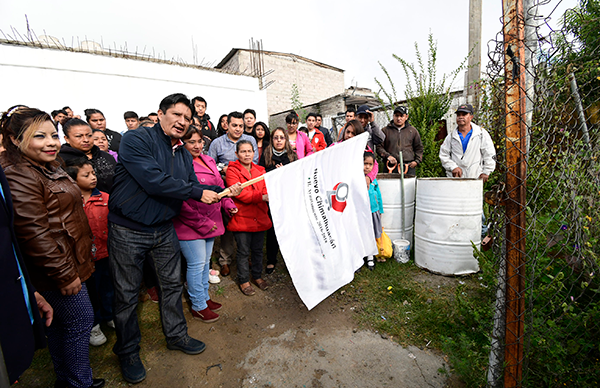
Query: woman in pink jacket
x: 298, y: 140
x: 197, y: 226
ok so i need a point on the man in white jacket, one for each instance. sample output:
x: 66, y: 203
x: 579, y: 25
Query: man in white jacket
x: 468, y: 151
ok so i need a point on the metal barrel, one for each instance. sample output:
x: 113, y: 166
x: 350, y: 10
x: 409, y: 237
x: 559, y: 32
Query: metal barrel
x: 448, y: 219
x: 391, y: 219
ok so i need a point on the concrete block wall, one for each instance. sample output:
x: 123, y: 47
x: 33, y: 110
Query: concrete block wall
x: 315, y: 83
x: 332, y: 106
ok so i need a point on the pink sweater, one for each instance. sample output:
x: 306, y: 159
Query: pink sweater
x: 303, y: 146
x: 196, y: 219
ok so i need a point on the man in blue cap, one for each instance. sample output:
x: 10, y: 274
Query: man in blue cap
x: 367, y: 120
x: 468, y: 151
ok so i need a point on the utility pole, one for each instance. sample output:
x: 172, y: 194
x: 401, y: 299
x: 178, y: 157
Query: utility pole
x: 516, y: 158
x: 474, y: 71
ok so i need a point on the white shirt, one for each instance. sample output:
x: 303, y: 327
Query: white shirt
x: 479, y: 158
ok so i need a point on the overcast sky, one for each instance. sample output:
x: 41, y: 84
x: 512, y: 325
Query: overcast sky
x: 351, y: 35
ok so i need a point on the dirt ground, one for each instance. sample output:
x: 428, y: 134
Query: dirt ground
x: 268, y: 340
x: 272, y: 340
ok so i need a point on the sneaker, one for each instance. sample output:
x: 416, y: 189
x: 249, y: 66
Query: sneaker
x: 111, y: 324
x: 206, y: 315
x: 213, y: 276
x: 214, y: 306
x: 97, y: 337
x: 188, y: 345
x: 153, y: 294
x: 132, y: 369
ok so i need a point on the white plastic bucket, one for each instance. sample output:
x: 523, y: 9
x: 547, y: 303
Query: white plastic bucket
x: 447, y: 221
x: 391, y: 219
x: 402, y: 250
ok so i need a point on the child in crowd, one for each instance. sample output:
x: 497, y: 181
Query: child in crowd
x: 375, y: 199
x: 96, y: 208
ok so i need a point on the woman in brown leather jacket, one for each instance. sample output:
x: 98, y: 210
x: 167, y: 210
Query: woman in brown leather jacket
x: 54, y: 237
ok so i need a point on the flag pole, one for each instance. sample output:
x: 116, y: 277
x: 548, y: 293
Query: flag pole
x: 401, y: 169
x: 244, y: 185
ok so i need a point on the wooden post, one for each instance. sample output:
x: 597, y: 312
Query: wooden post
x: 516, y: 146
x: 244, y: 185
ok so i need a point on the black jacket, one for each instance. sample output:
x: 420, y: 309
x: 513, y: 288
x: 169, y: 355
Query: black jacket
x: 275, y: 160
x: 114, y: 140
x: 103, y: 162
x: 207, y: 127
x: 18, y: 336
x: 152, y: 179
x: 326, y: 134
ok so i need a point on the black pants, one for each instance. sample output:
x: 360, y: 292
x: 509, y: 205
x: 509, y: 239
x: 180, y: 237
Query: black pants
x: 272, y: 247
x: 149, y: 275
x: 249, y: 242
x: 272, y: 244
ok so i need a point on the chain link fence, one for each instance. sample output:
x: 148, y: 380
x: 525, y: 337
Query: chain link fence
x: 544, y: 198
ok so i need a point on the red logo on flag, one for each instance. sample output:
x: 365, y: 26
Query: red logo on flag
x: 336, y: 199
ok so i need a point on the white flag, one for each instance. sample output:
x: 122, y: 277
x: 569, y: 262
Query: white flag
x: 322, y: 217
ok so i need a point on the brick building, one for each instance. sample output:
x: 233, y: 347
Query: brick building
x: 316, y: 81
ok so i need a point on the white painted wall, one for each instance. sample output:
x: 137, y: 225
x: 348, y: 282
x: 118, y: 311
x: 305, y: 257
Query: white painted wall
x: 50, y: 79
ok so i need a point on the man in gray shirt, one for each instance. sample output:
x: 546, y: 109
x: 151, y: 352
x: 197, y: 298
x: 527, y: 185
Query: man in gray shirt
x: 222, y: 150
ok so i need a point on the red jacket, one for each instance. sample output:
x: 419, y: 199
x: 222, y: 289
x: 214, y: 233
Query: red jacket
x: 96, y: 210
x: 318, y: 141
x: 252, y: 215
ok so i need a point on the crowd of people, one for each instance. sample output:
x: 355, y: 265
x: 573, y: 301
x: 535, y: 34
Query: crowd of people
x: 92, y: 216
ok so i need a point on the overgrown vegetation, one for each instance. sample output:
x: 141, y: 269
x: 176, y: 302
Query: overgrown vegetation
x: 564, y: 324
x: 297, y: 104
x: 564, y: 290
x: 428, y: 98
x: 562, y: 287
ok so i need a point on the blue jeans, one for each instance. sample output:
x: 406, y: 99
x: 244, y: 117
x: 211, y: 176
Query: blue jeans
x: 69, y: 336
x: 128, y: 249
x: 248, y: 242
x: 197, y: 254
